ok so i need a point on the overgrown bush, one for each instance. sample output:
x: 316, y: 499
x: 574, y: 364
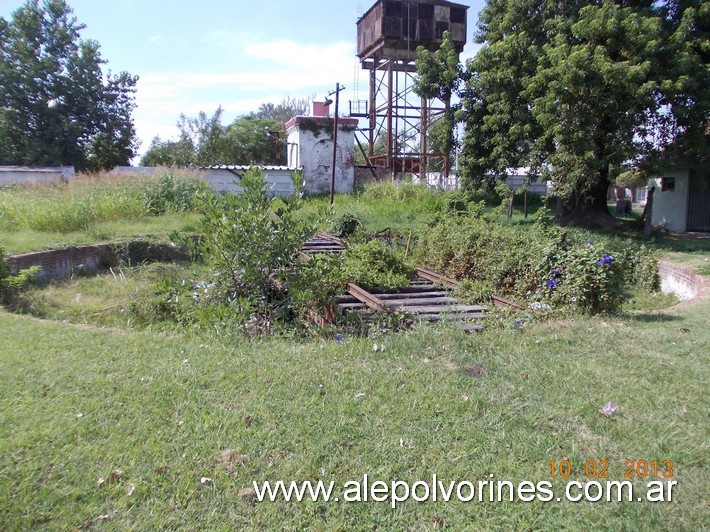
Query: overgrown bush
x: 367, y: 264
x: 542, y: 265
x: 466, y: 247
x: 580, y: 276
x: 345, y: 225
x: 251, y: 242
x: 171, y: 193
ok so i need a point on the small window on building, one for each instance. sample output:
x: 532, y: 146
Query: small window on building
x: 667, y: 184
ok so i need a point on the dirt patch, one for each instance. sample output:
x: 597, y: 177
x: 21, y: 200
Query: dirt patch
x: 229, y: 460
x: 448, y: 363
x: 474, y: 370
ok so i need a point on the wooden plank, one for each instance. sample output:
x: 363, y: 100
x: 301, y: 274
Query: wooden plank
x: 429, y: 301
x: 436, y: 316
x: 412, y: 289
x: 413, y: 295
x: 331, y: 238
x: 436, y: 277
x: 351, y: 306
x: 502, y: 302
x: 422, y: 309
x: 366, y: 297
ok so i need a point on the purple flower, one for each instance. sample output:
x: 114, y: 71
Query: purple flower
x: 518, y: 324
x: 600, y: 262
x: 339, y: 339
x: 551, y: 283
x: 556, y: 271
x: 608, y: 259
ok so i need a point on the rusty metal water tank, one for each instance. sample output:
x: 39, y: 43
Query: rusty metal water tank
x: 395, y: 28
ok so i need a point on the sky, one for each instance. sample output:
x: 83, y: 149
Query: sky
x: 193, y: 56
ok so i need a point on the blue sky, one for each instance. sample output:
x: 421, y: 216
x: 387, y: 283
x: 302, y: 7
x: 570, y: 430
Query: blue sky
x: 192, y: 56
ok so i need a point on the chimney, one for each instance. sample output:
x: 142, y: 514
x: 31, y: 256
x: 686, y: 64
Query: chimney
x: 319, y: 109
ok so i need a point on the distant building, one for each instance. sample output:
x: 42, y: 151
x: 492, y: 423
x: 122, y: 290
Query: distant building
x: 29, y: 175
x: 681, y: 202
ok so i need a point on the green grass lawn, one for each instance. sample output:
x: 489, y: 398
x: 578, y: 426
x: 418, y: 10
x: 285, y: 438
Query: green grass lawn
x: 80, y: 402
x: 88, y: 393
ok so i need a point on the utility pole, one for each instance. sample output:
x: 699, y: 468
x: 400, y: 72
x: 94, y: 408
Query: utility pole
x: 337, y: 90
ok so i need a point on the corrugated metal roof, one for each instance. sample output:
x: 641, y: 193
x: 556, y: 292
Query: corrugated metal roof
x: 246, y: 167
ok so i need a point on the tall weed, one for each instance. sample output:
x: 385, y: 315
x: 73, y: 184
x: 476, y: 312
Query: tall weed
x: 77, y: 206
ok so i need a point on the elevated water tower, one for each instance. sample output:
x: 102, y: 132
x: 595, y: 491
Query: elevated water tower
x: 388, y: 35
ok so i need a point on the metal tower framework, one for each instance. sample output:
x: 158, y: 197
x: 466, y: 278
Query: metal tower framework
x: 401, y: 120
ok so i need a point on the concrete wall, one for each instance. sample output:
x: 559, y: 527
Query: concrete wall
x: 25, y: 175
x: 437, y: 180
x: 670, y: 208
x: 145, y: 171
x: 310, y: 147
x: 226, y: 178
x: 453, y: 182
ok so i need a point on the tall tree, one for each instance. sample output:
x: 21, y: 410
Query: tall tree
x: 56, y: 105
x: 576, y: 89
x: 440, y: 75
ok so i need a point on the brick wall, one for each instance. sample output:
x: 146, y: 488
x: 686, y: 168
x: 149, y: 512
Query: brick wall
x: 58, y: 263
x: 685, y: 282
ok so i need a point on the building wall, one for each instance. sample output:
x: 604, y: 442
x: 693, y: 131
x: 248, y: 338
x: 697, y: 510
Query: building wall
x: 278, y: 179
x: 670, y: 208
x: 25, y: 175
x: 312, y: 150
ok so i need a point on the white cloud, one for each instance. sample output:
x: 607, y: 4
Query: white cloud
x: 156, y: 38
x: 262, y: 72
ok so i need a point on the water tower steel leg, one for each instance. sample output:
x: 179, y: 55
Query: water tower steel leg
x: 424, y: 133
x: 390, y: 137
x: 373, y: 107
x: 447, y: 154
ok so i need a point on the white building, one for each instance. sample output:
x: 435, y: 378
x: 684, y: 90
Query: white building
x: 681, y: 202
x: 310, y: 148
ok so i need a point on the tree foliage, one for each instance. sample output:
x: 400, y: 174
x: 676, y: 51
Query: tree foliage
x: 440, y: 76
x: 255, y: 138
x: 56, y: 104
x: 578, y: 90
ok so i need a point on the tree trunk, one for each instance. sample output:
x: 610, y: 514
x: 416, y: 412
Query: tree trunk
x: 591, y: 209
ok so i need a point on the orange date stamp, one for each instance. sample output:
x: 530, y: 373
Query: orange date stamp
x: 600, y: 469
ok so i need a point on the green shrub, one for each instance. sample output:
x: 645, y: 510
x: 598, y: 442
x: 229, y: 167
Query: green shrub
x: 251, y: 242
x: 10, y: 284
x: 170, y: 193
x: 540, y: 265
x: 478, y: 249
x: 581, y: 276
x: 346, y: 224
